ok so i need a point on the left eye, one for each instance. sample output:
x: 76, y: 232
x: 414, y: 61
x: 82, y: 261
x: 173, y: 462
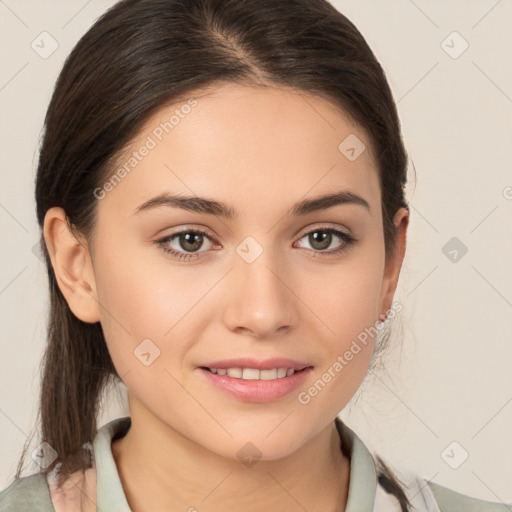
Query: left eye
x: 321, y: 239
x: 190, y: 242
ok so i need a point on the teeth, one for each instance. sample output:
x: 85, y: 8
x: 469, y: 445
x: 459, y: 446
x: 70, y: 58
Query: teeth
x: 253, y: 373
x: 250, y: 374
x: 235, y: 372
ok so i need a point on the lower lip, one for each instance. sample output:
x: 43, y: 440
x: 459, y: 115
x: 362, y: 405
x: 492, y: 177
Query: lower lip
x: 257, y: 390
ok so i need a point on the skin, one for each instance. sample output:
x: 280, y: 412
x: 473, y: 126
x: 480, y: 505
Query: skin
x: 259, y: 150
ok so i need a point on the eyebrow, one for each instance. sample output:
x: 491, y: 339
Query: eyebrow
x: 220, y: 209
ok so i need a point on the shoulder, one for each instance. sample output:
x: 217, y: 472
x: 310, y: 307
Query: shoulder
x: 27, y: 494
x: 449, y: 500
x: 419, y: 495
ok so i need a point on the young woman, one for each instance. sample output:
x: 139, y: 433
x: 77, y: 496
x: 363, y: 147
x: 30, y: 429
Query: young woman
x: 221, y: 198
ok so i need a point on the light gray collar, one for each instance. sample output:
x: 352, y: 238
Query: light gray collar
x: 110, y: 494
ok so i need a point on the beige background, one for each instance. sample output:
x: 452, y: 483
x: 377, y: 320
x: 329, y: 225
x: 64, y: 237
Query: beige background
x: 451, y: 381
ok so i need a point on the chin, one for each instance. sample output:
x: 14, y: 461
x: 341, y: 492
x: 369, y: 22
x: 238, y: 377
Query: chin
x: 263, y: 444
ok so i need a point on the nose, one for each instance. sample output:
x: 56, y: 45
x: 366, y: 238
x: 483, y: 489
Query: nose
x: 260, y: 297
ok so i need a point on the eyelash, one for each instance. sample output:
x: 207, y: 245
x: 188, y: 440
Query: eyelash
x: 347, y: 239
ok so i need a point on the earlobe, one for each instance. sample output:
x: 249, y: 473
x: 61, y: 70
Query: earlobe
x: 394, y: 264
x: 72, y: 266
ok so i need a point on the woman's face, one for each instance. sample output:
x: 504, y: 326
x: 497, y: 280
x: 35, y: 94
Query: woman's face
x: 262, y: 283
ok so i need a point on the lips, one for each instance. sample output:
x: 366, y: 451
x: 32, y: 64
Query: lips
x: 255, y: 390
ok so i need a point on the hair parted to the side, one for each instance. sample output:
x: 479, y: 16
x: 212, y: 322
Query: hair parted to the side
x: 139, y: 56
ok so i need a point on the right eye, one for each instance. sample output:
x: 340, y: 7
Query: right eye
x: 185, y: 240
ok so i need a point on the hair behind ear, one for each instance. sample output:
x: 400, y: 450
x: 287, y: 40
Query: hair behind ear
x: 391, y: 484
x: 77, y: 366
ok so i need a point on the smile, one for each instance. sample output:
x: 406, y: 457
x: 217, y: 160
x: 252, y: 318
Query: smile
x: 254, y: 385
x: 253, y: 373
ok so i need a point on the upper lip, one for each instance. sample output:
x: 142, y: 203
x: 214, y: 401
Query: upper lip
x: 265, y: 364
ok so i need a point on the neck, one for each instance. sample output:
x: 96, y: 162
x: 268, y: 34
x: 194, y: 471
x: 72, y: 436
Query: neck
x: 162, y: 470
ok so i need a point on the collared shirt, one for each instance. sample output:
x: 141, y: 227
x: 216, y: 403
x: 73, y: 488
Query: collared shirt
x: 100, y: 488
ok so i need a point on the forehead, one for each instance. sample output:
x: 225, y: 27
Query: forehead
x: 239, y: 143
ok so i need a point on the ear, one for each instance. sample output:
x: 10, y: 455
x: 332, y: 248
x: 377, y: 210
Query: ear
x: 394, y: 263
x: 72, y: 265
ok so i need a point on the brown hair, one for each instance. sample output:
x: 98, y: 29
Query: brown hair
x: 139, y: 56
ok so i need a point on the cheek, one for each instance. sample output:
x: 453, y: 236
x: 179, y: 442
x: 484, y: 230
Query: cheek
x: 346, y: 297
x: 130, y: 308
x: 347, y: 303
x: 346, y: 352
x: 143, y: 298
